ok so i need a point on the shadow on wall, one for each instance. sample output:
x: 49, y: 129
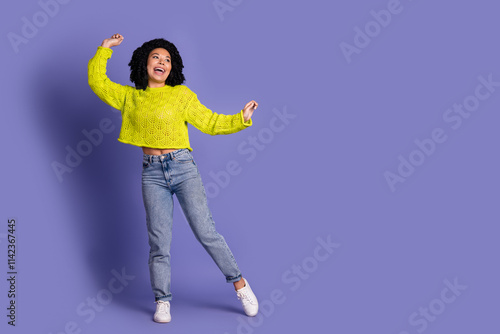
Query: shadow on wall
x: 103, y: 184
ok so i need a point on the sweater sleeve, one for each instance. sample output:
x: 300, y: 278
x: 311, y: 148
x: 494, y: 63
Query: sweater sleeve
x: 211, y: 122
x: 108, y: 91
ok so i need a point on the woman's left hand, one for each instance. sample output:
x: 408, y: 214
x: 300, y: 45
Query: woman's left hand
x: 249, y: 109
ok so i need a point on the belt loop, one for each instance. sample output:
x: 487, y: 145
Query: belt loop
x: 150, y: 158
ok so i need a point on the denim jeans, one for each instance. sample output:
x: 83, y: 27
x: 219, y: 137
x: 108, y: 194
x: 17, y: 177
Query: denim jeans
x: 162, y: 177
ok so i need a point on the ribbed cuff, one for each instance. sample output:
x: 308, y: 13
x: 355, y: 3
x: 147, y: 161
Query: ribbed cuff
x: 109, y: 51
x: 247, y: 123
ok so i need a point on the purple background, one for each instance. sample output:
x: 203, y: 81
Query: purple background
x: 321, y: 175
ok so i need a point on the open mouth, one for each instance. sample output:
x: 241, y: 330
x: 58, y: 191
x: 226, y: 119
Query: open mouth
x: 159, y: 70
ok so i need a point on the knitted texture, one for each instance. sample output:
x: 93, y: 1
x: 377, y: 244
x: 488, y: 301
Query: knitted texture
x: 157, y: 117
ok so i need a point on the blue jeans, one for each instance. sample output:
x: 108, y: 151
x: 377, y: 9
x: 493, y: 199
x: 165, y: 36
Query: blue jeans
x: 162, y: 177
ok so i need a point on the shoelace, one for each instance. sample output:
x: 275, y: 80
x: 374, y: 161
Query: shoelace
x: 243, y: 296
x: 162, y: 305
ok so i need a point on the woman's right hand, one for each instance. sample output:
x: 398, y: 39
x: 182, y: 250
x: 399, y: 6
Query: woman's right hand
x: 115, y: 40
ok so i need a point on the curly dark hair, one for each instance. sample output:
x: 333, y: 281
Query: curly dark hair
x: 138, y: 64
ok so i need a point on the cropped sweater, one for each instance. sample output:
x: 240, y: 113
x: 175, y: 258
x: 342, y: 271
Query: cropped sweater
x: 157, y: 117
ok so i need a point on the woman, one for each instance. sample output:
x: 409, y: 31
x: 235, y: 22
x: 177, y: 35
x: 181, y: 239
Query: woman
x: 155, y: 114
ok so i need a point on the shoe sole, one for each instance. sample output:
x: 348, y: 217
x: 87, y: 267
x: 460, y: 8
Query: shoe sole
x: 162, y: 322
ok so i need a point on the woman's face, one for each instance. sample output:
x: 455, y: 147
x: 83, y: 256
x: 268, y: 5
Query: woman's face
x: 159, y: 66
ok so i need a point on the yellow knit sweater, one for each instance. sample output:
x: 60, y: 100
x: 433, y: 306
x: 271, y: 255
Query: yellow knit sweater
x: 158, y: 117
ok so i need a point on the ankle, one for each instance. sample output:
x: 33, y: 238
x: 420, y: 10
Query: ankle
x: 239, y: 284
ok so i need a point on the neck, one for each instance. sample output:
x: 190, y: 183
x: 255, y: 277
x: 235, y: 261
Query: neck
x: 155, y: 84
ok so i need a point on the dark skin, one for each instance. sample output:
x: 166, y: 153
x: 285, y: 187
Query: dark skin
x: 161, y: 58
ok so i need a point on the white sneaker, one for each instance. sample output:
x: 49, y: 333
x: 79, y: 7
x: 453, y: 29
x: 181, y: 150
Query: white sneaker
x: 162, y: 313
x: 248, y: 300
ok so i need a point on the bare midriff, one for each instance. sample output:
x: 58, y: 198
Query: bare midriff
x: 157, y: 151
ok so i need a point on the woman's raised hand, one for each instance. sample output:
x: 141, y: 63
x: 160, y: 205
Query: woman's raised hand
x: 115, y: 40
x: 249, y: 109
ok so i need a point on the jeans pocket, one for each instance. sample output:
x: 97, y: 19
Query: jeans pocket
x: 145, y: 164
x: 184, y: 158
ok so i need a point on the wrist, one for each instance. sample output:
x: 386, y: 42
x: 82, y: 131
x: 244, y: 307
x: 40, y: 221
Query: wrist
x: 246, y: 122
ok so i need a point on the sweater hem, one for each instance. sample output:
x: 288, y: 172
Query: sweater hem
x: 144, y: 145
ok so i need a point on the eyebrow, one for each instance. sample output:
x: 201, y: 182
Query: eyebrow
x: 159, y: 55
